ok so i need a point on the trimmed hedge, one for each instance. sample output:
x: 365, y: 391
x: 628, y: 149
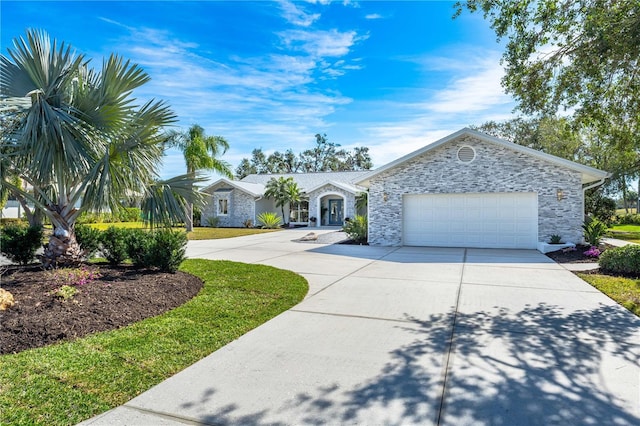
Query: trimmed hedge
x: 114, y: 244
x: 88, y: 238
x: 20, y: 243
x: 622, y: 260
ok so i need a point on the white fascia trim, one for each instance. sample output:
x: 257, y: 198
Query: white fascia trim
x: 348, y: 188
x: 589, y: 174
x: 234, y: 185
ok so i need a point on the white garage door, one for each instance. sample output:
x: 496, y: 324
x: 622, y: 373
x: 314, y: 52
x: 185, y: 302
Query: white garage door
x: 506, y: 220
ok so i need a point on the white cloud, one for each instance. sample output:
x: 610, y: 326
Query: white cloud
x: 479, y: 91
x: 331, y: 43
x: 295, y: 15
x: 372, y: 16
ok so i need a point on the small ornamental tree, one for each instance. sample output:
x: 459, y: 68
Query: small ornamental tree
x: 82, y: 142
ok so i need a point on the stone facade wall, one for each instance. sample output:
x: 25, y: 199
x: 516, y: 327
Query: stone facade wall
x: 349, y: 201
x: 240, y: 208
x: 495, y: 169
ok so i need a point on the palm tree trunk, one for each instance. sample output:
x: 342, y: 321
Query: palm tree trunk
x: 63, y: 248
x: 188, y: 220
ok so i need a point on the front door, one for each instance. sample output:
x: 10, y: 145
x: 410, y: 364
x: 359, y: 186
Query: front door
x: 335, y: 212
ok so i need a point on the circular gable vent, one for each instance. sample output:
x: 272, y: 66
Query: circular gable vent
x: 466, y: 154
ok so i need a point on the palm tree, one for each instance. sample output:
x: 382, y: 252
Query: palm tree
x: 283, y: 191
x: 201, y: 152
x: 82, y: 143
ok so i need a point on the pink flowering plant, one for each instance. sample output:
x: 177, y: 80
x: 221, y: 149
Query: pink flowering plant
x: 74, y: 277
x: 592, y: 252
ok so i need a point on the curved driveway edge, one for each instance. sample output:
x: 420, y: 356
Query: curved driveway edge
x: 409, y: 335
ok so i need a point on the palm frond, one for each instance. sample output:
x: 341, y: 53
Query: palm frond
x: 165, y: 201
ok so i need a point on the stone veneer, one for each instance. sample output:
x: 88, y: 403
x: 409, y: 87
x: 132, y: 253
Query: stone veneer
x: 240, y: 208
x: 495, y: 169
x: 326, y: 190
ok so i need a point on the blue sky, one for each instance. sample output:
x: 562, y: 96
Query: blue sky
x: 393, y: 76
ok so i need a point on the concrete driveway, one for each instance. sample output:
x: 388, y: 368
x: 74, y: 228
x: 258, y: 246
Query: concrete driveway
x: 408, y: 335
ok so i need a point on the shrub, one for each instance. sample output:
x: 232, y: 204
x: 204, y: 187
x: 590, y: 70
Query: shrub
x: 628, y: 219
x: 167, y: 249
x: 130, y: 214
x: 357, y: 229
x: 88, y: 238
x: 12, y: 220
x: 65, y: 292
x: 139, y: 244
x: 269, y: 220
x: 599, y: 206
x: 622, y: 260
x: 20, y: 243
x: 114, y: 244
x: 213, y: 221
x: 594, y: 230
x: 248, y: 223
x: 555, y: 239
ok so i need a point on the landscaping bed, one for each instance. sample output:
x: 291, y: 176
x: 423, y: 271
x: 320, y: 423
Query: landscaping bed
x: 577, y: 255
x: 122, y: 296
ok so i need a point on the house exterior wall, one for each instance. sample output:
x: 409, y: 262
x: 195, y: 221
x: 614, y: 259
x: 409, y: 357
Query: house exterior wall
x: 318, y: 198
x: 495, y: 169
x: 240, y: 208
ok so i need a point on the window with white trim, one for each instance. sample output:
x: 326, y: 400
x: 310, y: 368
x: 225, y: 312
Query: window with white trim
x: 299, y: 212
x: 223, y: 206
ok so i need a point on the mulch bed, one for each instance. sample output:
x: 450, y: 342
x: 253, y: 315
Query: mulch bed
x: 573, y: 256
x: 123, y: 295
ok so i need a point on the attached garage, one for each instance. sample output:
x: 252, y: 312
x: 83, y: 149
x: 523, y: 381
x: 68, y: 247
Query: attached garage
x: 470, y: 189
x: 494, y: 220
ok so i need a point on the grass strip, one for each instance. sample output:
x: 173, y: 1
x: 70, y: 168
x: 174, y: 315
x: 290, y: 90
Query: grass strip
x: 625, y: 291
x: 198, y: 233
x: 69, y: 382
x: 629, y: 233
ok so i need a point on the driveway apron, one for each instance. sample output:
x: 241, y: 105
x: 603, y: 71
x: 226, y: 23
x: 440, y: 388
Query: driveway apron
x: 407, y: 335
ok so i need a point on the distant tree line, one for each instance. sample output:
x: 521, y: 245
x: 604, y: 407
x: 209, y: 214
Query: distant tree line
x: 325, y: 156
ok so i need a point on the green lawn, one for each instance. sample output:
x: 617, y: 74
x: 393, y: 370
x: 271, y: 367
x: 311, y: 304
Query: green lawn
x: 625, y: 291
x: 66, y: 383
x: 625, y: 232
x: 199, y: 233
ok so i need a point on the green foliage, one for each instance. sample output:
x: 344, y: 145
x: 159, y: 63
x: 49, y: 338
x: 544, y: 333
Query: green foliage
x: 167, y: 250
x: 213, y: 221
x: 597, y: 205
x: 324, y: 157
x: 594, y: 230
x: 357, y: 229
x: 572, y: 33
x: 12, y: 220
x: 622, y: 260
x: 88, y: 238
x: 139, y: 242
x: 114, y: 244
x: 555, y: 239
x: 66, y: 292
x: 269, y: 220
x: 20, y: 243
x: 283, y: 191
x: 130, y: 214
x: 628, y: 219
x: 550, y: 134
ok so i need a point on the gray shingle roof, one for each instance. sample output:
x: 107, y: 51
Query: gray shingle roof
x: 310, y: 180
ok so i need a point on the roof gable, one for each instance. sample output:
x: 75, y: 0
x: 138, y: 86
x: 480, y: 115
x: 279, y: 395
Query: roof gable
x: 589, y: 174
